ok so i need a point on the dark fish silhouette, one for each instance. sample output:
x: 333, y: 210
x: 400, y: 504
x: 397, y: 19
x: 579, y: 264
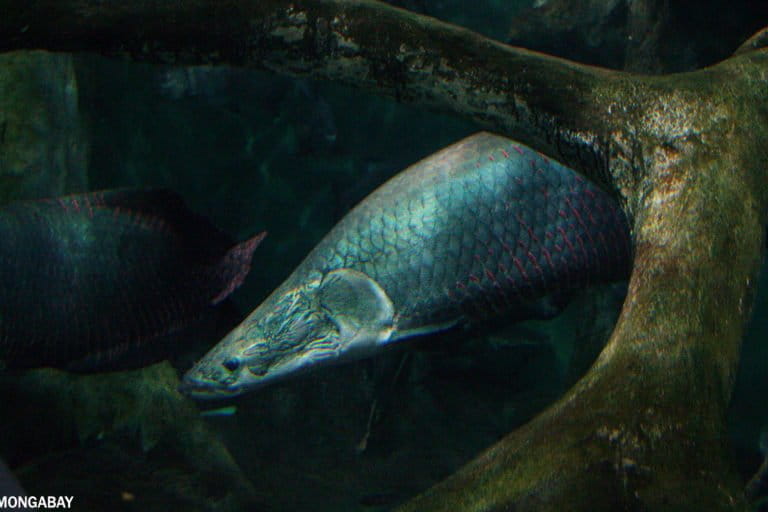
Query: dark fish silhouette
x: 484, y: 228
x: 89, y: 281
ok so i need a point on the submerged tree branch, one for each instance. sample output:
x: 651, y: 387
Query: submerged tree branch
x: 543, y: 101
x: 644, y: 428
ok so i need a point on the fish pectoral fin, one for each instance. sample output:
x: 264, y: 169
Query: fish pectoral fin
x: 358, y: 305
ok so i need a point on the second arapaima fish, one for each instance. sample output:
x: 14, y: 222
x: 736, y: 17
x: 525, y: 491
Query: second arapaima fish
x: 94, y: 281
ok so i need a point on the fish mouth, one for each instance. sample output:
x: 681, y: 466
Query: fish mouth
x: 206, y: 390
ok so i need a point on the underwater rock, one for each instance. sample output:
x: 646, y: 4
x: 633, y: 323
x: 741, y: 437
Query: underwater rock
x: 43, y: 144
x: 110, y: 476
x: 139, y: 411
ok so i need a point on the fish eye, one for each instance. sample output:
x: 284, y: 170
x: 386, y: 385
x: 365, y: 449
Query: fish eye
x: 231, y: 364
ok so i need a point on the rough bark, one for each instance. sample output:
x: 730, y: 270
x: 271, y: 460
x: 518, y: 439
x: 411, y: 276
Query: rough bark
x: 643, y: 429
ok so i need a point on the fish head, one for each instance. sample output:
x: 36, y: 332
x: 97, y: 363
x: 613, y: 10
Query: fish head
x: 280, y: 339
x: 340, y: 317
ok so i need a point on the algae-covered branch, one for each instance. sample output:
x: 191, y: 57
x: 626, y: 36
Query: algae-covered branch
x: 366, y: 44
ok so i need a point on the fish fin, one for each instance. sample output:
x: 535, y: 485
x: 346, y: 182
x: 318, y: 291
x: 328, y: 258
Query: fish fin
x: 426, y: 330
x: 236, y: 264
x: 358, y: 304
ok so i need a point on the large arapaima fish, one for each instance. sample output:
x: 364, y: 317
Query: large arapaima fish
x: 484, y: 228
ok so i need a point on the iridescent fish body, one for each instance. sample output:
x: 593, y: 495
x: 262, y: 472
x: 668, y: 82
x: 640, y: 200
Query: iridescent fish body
x: 484, y: 228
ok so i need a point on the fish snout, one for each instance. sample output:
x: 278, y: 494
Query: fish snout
x: 211, y: 380
x: 188, y: 387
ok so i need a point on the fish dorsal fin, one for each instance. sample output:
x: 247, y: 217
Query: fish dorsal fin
x: 358, y: 305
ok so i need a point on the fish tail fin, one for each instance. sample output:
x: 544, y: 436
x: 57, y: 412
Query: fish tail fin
x: 236, y: 264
